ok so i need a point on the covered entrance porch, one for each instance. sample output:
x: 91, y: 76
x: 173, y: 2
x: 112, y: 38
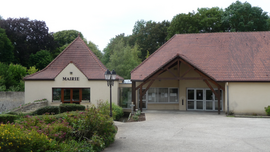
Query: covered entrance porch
x: 178, y: 85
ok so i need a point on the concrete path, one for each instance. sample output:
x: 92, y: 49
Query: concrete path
x: 173, y: 131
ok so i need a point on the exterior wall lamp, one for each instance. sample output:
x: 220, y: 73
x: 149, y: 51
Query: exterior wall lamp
x: 110, y: 77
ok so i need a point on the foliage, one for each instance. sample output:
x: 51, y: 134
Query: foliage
x: 4, y: 118
x: 53, y: 127
x: 71, y: 131
x: 70, y: 107
x: 47, y: 109
x: 6, y: 48
x: 267, y: 110
x: 149, y: 36
x: 32, y: 70
x: 135, y: 117
x: 124, y: 59
x: 104, y: 108
x: 41, y: 59
x: 108, y: 51
x: 66, y: 36
x: 138, y: 113
x: 28, y: 37
x: 210, y: 19
x: 11, y: 77
x: 95, y: 50
x: 243, y: 17
x: 14, y: 138
x: 184, y: 23
x: 92, y: 124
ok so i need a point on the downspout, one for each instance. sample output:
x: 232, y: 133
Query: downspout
x: 228, y: 109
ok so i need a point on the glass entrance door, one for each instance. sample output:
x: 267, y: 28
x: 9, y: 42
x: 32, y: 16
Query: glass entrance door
x: 203, y: 99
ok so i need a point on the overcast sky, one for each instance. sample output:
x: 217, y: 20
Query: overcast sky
x: 101, y: 20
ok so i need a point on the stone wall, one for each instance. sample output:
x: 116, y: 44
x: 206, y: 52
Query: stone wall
x: 32, y: 106
x: 10, y: 100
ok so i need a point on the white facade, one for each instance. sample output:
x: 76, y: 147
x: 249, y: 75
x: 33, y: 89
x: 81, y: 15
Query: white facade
x: 38, y: 89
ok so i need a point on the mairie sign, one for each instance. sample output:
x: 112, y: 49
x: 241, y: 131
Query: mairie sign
x: 70, y: 78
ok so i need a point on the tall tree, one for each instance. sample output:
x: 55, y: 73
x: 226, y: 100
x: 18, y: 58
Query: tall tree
x: 40, y: 59
x: 210, y: 19
x: 184, y: 23
x: 124, y: 59
x: 149, y: 35
x: 108, y: 51
x: 6, y: 48
x: 27, y: 36
x: 243, y: 17
x: 94, y: 48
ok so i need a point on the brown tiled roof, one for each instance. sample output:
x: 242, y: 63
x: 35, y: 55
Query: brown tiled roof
x: 82, y: 57
x: 238, y: 56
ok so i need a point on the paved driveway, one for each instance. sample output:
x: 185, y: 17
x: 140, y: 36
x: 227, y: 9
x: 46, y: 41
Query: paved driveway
x: 169, y: 131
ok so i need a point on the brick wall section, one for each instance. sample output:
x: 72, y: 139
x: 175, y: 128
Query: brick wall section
x: 10, y: 100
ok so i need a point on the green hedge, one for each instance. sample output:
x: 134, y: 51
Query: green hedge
x: 4, y: 118
x: 267, y: 110
x: 71, y: 107
x: 47, y: 109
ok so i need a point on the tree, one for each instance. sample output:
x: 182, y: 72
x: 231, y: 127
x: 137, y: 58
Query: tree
x: 243, y: 17
x: 66, y: 37
x: 6, y: 48
x: 11, y: 77
x: 210, y: 19
x: 41, y: 59
x: 124, y: 59
x: 184, y: 23
x: 28, y: 37
x: 108, y: 51
x: 149, y: 36
x: 32, y: 70
x: 95, y: 50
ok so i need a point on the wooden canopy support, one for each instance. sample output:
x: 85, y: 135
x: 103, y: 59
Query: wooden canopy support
x: 177, y: 61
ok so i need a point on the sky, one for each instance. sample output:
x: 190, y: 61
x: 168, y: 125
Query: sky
x: 101, y: 20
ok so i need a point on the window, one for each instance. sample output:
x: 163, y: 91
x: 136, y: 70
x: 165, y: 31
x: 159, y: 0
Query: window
x: 71, y: 95
x: 86, y: 94
x: 162, y: 95
x: 56, y: 95
x: 125, y: 97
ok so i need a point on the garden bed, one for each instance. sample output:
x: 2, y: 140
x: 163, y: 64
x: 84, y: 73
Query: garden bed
x: 141, y: 118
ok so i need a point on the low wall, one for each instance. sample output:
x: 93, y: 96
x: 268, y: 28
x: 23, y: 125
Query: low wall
x: 10, y: 100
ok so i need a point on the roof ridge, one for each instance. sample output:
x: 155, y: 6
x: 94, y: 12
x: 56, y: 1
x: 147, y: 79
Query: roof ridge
x: 153, y: 53
x: 94, y: 56
x: 51, y: 61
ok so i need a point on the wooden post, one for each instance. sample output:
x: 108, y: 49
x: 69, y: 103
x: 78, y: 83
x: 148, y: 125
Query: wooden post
x: 133, y: 94
x: 141, y: 98
x: 218, y: 100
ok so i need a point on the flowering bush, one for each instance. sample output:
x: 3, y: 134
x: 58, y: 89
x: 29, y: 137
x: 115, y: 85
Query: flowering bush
x: 88, y: 130
x: 16, y: 138
x: 52, y: 127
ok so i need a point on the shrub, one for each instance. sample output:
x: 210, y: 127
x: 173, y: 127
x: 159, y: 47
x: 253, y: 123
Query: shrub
x: 4, y: 118
x: 135, y: 117
x: 138, y: 113
x: 53, y: 127
x: 47, y: 109
x: 71, y: 107
x: 267, y: 110
x: 14, y: 138
x: 91, y: 124
x: 104, y: 108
